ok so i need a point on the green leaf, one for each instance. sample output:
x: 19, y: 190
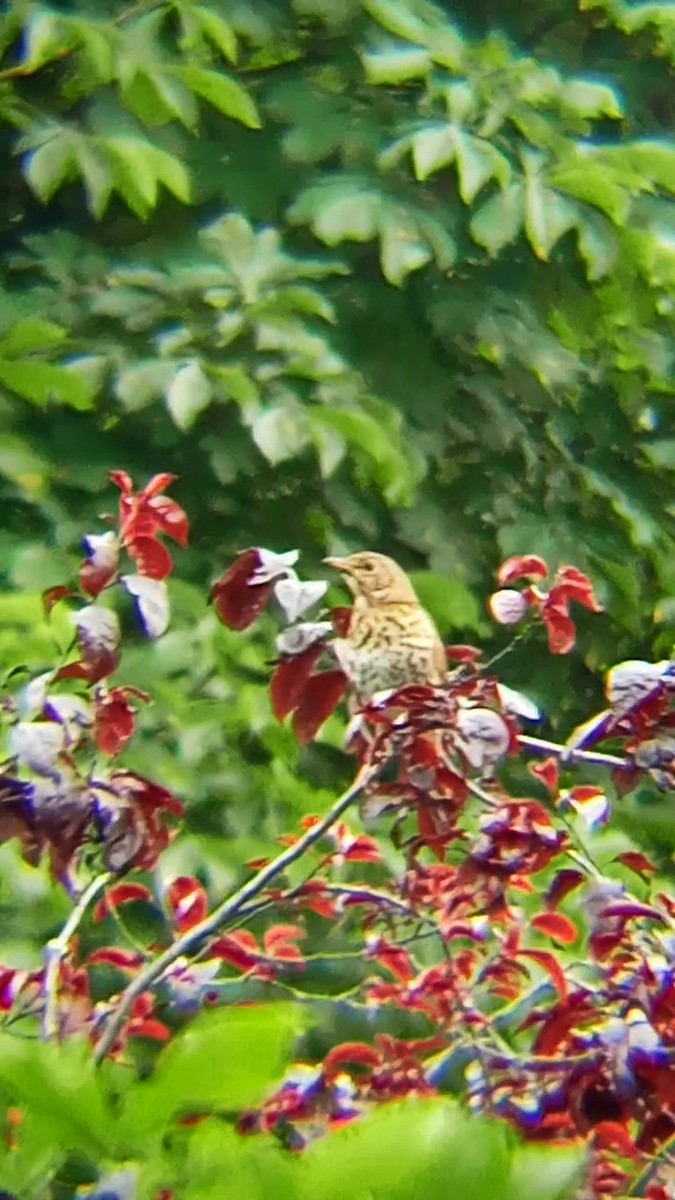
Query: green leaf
x: 598, y: 244
x: 32, y: 333
x: 156, y: 97
x: 587, y: 180
x: 97, y: 175
x: 411, y: 1147
x: 477, y: 162
x: 134, y: 178
x: 46, y: 37
x: 373, y: 439
x: 217, y: 31
x: 432, y: 149
x: 42, y: 382
x: 138, y: 167
x: 219, y: 1163
x: 397, y: 17
x: 51, y: 165
x: 396, y: 65
x: 188, y: 394
x: 281, y: 432
x: 171, y: 172
x: 547, y: 1172
x: 346, y: 210
x: 500, y: 219
x: 225, y: 1060
x: 223, y: 92
x: 144, y: 382
x: 306, y: 300
x: 57, y: 1084
x: 477, y: 159
x: 430, y: 30
x: 30, y: 1165
x: 548, y: 216
x: 588, y: 99
x: 237, y: 385
x: 402, y: 250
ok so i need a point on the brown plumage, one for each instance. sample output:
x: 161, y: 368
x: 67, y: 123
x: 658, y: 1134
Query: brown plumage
x: 392, y: 641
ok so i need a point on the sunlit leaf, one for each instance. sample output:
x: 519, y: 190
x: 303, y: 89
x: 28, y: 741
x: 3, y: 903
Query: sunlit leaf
x: 188, y: 394
x: 500, y: 219
x: 221, y: 91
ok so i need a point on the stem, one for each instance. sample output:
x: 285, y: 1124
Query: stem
x: 566, y: 755
x: 56, y: 950
x: 231, y: 907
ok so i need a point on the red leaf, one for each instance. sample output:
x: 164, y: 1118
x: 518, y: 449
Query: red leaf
x: 313, y: 895
x: 557, y: 926
x: 576, y: 586
x: 287, y: 952
x: 564, y: 883
x: 229, y: 949
x: 171, y: 519
x: 77, y: 670
x: 52, y: 595
x: 395, y: 959
x: 290, y: 678
x: 278, y: 934
x: 94, y: 579
x: 114, y: 722
x: 159, y: 483
x: 548, y: 772
x: 120, y: 893
x: 110, y: 956
x: 521, y: 566
x: 188, y: 902
x: 636, y: 861
x: 463, y: 654
x: 583, y: 792
x: 237, y: 603
x: 122, y: 481
x: 363, y: 849
x: 560, y: 628
x: 549, y: 964
x: 151, y: 557
x: 611, y: 1135
x: 320, y: 697
x: 149, y: 1029
x: 354, y: 1053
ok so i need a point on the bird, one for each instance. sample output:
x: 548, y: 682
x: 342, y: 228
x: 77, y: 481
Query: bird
x: 391, y: 640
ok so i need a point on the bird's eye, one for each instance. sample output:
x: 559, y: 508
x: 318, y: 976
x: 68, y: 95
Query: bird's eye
x: 368, y: 566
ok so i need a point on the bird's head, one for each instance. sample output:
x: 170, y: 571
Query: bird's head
x: 375, y: 578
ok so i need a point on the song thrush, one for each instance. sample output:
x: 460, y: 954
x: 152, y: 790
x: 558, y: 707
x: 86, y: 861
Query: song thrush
x: 391, y: 641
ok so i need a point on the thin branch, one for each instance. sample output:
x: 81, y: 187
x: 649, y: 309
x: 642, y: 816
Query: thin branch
x: 567, y: 755
x: 57, y: 949
x: 231, y: 907
x: 482, y: 795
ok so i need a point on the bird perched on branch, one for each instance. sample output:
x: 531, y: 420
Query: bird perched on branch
x: 391, y: 641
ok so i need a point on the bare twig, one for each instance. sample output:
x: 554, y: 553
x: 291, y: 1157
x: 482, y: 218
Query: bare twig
x: 56, y: 950
x: 231, y: 907
x: 567, y: 755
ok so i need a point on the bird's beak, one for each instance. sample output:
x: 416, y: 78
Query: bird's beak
x: 338, y: 564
